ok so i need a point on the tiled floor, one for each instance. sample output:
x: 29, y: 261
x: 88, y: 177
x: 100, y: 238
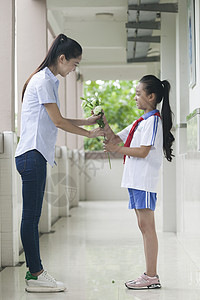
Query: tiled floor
x: 96, y: 250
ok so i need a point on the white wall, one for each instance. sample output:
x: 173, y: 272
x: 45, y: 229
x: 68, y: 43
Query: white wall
x: 194, y: 92
x: 103, y: 183
x: 187, y: 154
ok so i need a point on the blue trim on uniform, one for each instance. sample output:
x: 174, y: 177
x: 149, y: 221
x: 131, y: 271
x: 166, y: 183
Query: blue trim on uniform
x: 155, y: 127
x: 141, y: 199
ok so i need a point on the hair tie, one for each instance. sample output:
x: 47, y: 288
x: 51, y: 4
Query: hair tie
x: 63, y: 38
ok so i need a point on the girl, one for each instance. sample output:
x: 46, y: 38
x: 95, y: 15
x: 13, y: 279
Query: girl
x: 40, y: 119
x: 144, y: 141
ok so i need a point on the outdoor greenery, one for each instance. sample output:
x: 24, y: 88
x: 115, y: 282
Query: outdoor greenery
x: 117, y: 101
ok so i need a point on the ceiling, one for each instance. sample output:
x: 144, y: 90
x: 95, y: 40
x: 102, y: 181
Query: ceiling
x: 110, y: 34
x: 137, y: 49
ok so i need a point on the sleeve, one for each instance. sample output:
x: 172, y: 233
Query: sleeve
x: 124, y: 133
x: 45, y: 91
x: 150, y: 130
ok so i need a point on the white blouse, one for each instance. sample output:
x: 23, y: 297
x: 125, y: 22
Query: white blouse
x: 37, y: 129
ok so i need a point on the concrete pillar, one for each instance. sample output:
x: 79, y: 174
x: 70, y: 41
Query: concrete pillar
x: 63, y: 187
x: 182, y: 80
x: 62, y: 135
x: 168, y: 71
x: 9, y: 231
x: 7, y: 54
x: 80, y: 92
x: 75, y: 178
x: 82, y: 172
x: 9, y: 241
x: 182, y: 107
x: 45, y: 220
x: 31, y: 45
x: 71, y: 107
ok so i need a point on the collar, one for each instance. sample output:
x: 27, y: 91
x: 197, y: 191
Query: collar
x: 149, y: 114
x: 53, y: 77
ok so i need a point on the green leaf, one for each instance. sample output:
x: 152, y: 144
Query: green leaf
x: 117, y: 101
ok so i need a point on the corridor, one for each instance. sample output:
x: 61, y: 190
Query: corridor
x: 96, y: 250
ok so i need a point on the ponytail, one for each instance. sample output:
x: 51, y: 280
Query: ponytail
x: 61, y: 45
x: 161, y: 90
x: 166, y: 115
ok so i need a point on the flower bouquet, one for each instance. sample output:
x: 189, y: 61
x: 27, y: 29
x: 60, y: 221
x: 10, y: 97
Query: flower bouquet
x: 95, y: 106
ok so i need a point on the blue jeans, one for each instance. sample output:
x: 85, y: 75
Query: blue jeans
x: 32, y: 168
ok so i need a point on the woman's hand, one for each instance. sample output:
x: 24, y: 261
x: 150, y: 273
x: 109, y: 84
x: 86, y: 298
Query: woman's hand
x: 96, y: 132
x: 110, y: 147
x: 92, y: 120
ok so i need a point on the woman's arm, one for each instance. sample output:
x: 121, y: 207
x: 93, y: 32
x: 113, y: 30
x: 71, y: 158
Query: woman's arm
x: 67, y: 125
x: 89, y: 121
x: 140, y: 152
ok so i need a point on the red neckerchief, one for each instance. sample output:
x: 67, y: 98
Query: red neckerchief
x: 131, y: 132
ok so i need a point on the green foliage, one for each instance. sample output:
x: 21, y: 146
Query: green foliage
x: 117, y: 101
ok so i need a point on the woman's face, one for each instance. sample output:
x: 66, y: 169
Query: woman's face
x: 64, y: 66
x: 144, y: 101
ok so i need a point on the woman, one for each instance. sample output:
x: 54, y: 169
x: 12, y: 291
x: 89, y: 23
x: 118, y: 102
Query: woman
x: 40, y: 120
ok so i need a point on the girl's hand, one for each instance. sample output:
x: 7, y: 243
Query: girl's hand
x: 110, y: 147
x: 96, y: 132
x: 92, y: 120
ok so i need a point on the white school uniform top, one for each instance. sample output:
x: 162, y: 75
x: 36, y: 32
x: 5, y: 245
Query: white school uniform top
x: 37, y: 129
x: 143, y: 173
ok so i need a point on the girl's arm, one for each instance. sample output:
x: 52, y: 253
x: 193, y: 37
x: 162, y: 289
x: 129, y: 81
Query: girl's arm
x: 109, y: 134
x: 140, y: 152
x: 67, y: 124
x: 113, y: 141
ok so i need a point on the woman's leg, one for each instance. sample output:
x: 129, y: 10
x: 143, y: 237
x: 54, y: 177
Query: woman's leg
x: 32, y: 167
x: 146, y: 224
x: 33, y: 185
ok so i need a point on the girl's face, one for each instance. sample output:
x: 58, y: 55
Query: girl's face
x: 64, y: 67
x: 144, y: 101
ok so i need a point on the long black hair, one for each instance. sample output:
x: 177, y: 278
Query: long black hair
x: 61, y: 45
x: 161, y: 90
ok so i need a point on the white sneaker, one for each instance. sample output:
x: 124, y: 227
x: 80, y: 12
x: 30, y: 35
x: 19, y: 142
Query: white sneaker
x: 44, y: 283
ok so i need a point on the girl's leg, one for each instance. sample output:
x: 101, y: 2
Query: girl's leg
x: 33, y: 185
x: 146, y: 224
